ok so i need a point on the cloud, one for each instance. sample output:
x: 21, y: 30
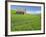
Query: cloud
x: 33, y: 12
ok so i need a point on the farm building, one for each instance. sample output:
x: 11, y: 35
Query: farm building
x: 20, y: 11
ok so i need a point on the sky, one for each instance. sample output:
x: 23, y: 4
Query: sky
x: 29, y: 9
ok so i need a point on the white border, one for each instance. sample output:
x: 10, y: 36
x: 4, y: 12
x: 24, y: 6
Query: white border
x: 24, y: 32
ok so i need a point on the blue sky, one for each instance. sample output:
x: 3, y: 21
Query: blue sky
x: 32, y: 9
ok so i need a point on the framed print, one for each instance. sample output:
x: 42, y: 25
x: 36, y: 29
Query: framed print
x: 24, y: 18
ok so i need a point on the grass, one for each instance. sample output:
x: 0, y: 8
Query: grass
x: 25, y: 22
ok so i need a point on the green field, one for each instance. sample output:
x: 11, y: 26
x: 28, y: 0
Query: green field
x: 25, y: 22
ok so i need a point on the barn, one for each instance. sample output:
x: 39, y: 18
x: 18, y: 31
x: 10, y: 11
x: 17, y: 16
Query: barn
x: 20, y: 11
